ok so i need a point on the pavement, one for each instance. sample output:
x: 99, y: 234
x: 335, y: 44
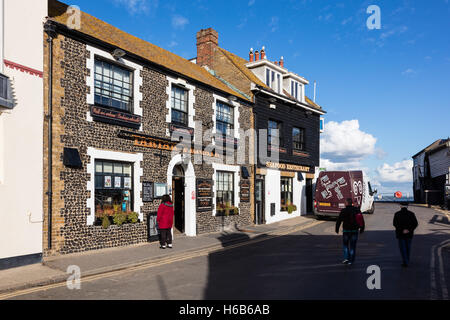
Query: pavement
x: 53, y: 270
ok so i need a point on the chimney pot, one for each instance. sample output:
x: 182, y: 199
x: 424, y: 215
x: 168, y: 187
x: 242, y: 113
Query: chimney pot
x: 256, y: 55
x: 263, y: 53
x: 282, y: 62
x: 251, y: 55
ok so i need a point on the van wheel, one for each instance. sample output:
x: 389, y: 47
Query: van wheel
x: 372, y: 210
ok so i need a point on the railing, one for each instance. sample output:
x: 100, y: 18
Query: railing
x: 390, y: 197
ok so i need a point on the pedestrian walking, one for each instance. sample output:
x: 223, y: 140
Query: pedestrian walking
x: 353, y: 221
x: 165, y: 222
x: 405, y: 223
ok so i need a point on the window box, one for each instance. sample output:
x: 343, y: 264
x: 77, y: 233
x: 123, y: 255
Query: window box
x: 229, y: 211
x: 289, y: 208
x: 118, y: 218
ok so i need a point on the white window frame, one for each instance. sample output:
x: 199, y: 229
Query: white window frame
x: 236, y: 114
x: 237, y: 178
x: 191, y: 100
x: 135, y: 158
x: 137, y: 79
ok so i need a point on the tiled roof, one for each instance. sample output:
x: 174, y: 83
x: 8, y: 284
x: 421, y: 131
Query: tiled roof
x: 105, y: 32
x: 438, y: 144
x: 240, y: 64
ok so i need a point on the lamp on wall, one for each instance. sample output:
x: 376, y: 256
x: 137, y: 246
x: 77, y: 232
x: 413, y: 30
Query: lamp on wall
x: 118, y: 53
x: 232, y: 98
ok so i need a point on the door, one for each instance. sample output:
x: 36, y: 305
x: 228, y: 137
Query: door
x: 178, y: 195
x: 309, y: 196
x: 260, y: 202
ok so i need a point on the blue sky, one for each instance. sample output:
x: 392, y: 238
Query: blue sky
x: 387, y: 91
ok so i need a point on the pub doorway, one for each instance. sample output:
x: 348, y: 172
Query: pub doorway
x: 178, y: 191
x: 260, y: 201
x: 309, y: 196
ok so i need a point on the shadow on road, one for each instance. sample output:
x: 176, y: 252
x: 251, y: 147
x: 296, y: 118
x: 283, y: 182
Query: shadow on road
x: 304, y: 267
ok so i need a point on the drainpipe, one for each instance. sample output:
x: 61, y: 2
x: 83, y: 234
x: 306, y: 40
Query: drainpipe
x: 51, y: 32
x: 2, y: 35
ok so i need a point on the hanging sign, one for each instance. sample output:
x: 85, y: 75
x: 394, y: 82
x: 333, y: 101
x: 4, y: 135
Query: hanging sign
x: 245, y: 191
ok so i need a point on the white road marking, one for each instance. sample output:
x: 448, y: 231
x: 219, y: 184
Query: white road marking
x: 188, y: 256
x: 434, y: 286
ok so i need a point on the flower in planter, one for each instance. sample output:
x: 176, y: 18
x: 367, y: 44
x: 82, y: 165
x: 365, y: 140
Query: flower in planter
x: 105, y: 222
x: 119, y: 218
x: 291, y: 208
x: 132, y: 217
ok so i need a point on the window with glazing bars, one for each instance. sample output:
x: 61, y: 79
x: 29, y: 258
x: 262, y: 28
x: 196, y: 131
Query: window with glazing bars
x: 179, y: 102
x: 274, y: 131
x: 298, y: 139
x: 113, y: 187
x: 286, y: 191
x: 225, y: 119
x: 113, y: 86
x: 224, y: 189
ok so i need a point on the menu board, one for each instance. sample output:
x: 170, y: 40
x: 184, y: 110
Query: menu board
x: 204, y: 195
x: 245, y: 191
x: 147, y: 191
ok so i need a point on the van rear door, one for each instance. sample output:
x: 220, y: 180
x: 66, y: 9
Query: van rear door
x: 332, y: 188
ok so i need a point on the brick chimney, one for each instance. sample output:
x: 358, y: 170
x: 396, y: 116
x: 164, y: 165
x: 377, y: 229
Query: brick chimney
x: 207, y: 43
x: 263, y: 53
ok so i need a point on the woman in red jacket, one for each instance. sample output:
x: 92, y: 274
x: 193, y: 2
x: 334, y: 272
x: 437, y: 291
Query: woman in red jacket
x: 165, y: 221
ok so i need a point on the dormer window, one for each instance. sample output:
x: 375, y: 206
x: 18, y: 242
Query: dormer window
x: 273, y: 80
x: 294, y: 89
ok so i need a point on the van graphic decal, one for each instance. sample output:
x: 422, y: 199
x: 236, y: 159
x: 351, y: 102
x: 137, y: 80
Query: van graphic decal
x: 336, y: 186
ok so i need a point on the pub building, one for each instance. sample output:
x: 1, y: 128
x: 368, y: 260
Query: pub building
x: 112, y: 105
x: 283, y: 189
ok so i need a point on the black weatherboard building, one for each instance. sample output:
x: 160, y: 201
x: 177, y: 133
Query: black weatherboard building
x: 283, y: 188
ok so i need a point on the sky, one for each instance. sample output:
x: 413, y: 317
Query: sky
x: 386, y: 90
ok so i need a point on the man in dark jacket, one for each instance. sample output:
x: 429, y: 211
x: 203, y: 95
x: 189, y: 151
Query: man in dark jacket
x: 405, y: 223
x: 351, y: 228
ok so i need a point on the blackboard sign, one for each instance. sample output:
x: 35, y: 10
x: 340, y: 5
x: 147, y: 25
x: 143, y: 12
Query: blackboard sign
x: 245, y: 191
x: 147, y: 191
x: 204, y: 195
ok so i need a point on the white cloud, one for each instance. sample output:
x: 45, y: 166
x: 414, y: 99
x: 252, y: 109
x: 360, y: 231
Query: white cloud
x: 345, y: 21
x: 251, y: 2
x: 172, y: 44
x: 340, y: 166
x: 274, y: 23
x: 409, y: 72
x: 179, y: 21
x: 137, y: 6
x: 400, y: 172
x: 345, y: 142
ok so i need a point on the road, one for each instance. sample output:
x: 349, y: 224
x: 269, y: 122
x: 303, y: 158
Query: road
x: 302, y: 265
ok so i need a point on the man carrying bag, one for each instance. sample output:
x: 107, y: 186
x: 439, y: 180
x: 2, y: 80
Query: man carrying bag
x: 353, y: 221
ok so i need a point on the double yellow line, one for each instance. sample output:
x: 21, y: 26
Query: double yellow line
x: 147, y: 265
